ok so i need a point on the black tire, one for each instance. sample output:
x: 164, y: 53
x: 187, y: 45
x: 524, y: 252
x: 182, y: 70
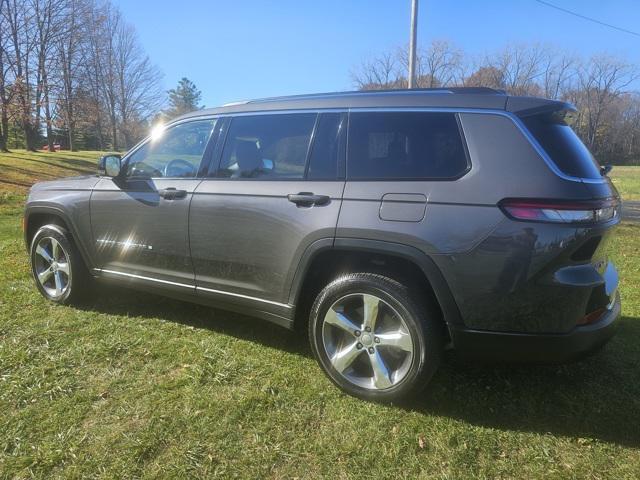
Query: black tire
x: 422, y: 321
x: 78, y: 278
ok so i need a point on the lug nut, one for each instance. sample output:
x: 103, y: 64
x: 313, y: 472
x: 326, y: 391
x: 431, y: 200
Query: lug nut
x: 357, y: 333
x: 371, y: 350
x: 358, y: 345
x: 377, y: 340
x: 368, y: 329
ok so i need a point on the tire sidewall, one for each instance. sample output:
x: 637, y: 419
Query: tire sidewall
x: 60, y: 235
x: 388, y: 290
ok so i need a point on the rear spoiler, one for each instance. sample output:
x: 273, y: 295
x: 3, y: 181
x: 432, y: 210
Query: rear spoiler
x: 528, y: 106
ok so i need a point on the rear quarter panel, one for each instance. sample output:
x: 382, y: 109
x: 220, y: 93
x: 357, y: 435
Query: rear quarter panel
x: 463, y: 226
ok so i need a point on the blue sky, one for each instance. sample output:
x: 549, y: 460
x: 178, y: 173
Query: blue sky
x: 236, y: 50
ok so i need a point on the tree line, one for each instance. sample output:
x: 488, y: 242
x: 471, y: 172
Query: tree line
x: 601, y: 87
x: 73, y: 70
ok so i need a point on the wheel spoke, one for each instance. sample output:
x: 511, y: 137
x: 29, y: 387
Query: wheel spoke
x: 381, y: 376
x: 42, y: 252
x: 370, y: 312
x: 55, y: 249
x: 58, y: 280
x: 64, y: 268
x: 339, y: 320
x: 345, y: 357
x: 45, y: 275
x: 396, y: 339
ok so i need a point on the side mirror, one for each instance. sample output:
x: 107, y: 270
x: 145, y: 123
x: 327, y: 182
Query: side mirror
x: 109, y: 165
x: 605, y: 169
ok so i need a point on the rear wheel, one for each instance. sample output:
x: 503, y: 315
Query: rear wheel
x: 374, y: 338
x: 57, y: 266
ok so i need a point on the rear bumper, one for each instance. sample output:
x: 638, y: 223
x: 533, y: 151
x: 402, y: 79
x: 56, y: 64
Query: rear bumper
x: 537, y: 348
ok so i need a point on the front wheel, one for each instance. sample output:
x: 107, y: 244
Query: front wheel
x: 57, y: 266
x: 374, y: 338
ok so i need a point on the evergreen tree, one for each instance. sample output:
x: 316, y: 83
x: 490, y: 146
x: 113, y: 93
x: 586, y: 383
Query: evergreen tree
x: 183, y: 99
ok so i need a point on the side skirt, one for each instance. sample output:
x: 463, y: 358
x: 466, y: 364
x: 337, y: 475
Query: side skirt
x: 187, y: 293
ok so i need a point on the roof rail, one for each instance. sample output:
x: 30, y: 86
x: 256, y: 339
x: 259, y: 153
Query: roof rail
x: 398, y: 91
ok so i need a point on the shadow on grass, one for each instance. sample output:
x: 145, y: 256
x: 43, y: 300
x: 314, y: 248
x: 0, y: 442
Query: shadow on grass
x: 74, y: 165
x: 120, y: 301
x: 597, y: 398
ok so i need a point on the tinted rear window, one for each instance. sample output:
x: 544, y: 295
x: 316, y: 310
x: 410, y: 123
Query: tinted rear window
x: 267, y: 146
x: 405, y: 145
x: 562, y: 145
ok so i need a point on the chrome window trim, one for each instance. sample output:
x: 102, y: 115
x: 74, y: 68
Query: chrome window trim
x: 185, y: 285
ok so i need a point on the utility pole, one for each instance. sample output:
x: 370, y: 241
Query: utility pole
x: 412, y: 43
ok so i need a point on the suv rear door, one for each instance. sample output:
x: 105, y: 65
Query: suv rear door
x: 276, y: 189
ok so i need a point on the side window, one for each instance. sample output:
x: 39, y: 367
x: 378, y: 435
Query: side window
x: 267, y: 146
x: 563, y: 145
x: 174, y: 152
x: 327, y: 153
x: 405, y: 145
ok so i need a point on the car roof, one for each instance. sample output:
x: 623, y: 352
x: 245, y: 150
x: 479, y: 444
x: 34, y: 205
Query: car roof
x: 460, y: 97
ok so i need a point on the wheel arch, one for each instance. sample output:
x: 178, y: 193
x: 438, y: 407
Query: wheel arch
x: 38, y: 216
x: 314, y: 266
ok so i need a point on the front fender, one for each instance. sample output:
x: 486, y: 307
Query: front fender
x: 70, y: 205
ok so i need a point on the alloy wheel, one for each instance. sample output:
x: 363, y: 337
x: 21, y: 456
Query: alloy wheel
x: 367, y: 341
x: 52, y: 267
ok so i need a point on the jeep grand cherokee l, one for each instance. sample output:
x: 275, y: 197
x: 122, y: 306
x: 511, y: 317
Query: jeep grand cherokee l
x: 389, y: 224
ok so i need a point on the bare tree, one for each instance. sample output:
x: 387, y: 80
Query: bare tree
x: 438, y: 65
x: 381, y: 72
x: 4, y: 72
x: 138, y: 88
x: 600, y: 81
x: 47, y: 19
x: 18, y: 19
x: 70, y: 52
x: 559, y: 71
x: 519, y: 68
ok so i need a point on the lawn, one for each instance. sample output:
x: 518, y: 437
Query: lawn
x: 627, y: 180
x: 133, y: 385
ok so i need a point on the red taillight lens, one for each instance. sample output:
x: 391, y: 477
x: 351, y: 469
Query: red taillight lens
x: 558, y: 211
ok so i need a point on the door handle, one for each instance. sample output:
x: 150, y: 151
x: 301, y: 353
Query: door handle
x: 308, y: 199
x: 171, y: 193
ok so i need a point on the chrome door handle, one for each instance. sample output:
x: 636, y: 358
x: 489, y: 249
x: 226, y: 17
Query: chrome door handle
x: 171, y: 193
x: 308, y: 199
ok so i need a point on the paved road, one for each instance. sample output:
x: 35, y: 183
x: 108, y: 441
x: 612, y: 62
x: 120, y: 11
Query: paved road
x: 631, y: 211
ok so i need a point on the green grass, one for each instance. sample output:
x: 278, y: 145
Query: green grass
x: 133, y: 385
x: 627, y: 181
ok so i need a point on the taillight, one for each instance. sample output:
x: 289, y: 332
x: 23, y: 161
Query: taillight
x: 558, y: 211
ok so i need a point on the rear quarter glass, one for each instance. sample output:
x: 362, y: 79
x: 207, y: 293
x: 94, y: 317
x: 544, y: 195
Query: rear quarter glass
x: 562, y: 145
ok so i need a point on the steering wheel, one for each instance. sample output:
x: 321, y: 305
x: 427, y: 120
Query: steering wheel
x: 181, y: 165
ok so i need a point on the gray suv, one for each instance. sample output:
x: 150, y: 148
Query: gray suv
x: 391, y: 225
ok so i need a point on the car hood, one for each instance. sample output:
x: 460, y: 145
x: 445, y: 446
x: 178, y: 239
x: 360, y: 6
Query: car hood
x: 86, y: 182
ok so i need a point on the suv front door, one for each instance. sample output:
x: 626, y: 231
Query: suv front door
x: 273, y: 195
x: 139, y: 219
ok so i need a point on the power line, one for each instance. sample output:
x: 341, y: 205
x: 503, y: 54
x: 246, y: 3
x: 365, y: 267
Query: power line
x: 584, y: 17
